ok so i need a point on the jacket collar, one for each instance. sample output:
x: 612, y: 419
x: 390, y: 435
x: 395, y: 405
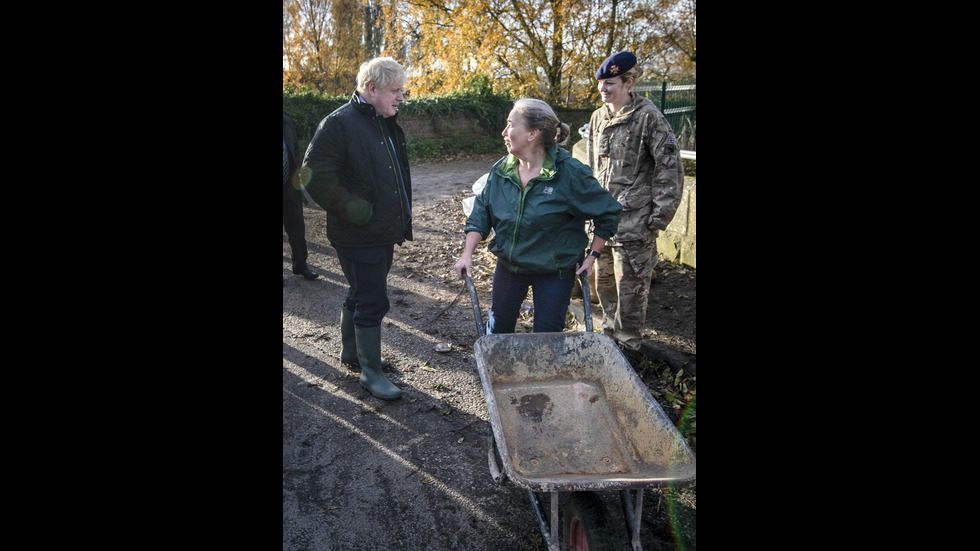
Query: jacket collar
x: 636, y: 101
x: 366, y: 108
x: 552, y: 157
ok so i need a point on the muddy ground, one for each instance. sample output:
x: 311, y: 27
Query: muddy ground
x: 362, y: 473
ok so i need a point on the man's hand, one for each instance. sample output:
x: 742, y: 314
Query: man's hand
x: 359, y: 211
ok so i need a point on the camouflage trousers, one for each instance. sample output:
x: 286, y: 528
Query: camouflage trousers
x: 623, y: 286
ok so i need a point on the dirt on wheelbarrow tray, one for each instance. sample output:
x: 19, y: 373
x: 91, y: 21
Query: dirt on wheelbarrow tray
x: 360, y: 472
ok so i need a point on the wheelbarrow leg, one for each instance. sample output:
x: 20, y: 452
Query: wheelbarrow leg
x: 548, y: 529
x: 554, y: 521
x: 499, y: 476
x: 633, y: 516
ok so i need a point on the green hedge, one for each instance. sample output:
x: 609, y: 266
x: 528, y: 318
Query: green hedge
x: 307, y: 109
x: 448, y: 148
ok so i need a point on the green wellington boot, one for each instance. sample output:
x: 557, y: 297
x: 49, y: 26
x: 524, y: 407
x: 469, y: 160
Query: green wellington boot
x: 348, y: 344
x: 348, y: 341
x: 369, y: 355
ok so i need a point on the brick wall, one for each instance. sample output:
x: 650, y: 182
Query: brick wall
x: 453, y: 125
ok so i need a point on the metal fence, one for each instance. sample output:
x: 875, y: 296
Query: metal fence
x: 677, y: 101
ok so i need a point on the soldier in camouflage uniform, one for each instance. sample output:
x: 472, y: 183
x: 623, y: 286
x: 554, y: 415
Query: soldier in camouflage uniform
x: 633, y: 154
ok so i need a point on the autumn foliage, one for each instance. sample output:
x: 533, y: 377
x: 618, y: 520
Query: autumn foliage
x: 547, y: 49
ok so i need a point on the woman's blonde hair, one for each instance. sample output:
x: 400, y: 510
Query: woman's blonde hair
x: 636, y: 72
x: 538, y: 115
x: 382, y: 72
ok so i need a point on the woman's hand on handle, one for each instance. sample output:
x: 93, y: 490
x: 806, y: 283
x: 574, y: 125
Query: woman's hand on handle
x: 585, y: 266
x: 465, y: 262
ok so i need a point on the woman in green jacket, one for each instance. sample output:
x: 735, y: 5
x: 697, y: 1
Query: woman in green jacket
x: 537, y: 201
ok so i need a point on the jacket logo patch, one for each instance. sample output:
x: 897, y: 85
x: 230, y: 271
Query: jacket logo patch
x: 549, y: 190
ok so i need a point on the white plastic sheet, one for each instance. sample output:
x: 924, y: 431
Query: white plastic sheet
x: 478, y: 186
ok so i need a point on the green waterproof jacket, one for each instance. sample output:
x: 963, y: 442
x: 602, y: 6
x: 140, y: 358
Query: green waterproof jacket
x: 542, y: 228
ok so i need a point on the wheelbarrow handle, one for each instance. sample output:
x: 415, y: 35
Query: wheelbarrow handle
x: 480, y: 331
x: 476, y: 304
x: 584, y: 280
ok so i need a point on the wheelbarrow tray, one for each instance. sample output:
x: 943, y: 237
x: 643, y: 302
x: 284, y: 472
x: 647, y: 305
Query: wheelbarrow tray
x: 568, y: 413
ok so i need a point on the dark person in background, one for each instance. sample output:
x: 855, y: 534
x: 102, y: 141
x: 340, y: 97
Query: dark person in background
x: 292, y: 201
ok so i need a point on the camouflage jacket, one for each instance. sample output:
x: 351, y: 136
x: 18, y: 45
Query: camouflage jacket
x: 634, y: 156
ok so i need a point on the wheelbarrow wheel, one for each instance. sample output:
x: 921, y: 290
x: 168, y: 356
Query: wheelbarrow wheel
x: 585, y: 523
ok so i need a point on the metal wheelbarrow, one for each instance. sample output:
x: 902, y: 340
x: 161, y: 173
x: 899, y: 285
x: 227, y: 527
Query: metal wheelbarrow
x: 569, y: 414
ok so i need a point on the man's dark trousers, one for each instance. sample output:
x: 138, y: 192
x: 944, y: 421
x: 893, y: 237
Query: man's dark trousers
x: 366, y: 270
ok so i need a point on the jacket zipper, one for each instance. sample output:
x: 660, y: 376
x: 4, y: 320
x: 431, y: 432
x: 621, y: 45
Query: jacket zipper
x: 520, y: 215
x: 385, y: 140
